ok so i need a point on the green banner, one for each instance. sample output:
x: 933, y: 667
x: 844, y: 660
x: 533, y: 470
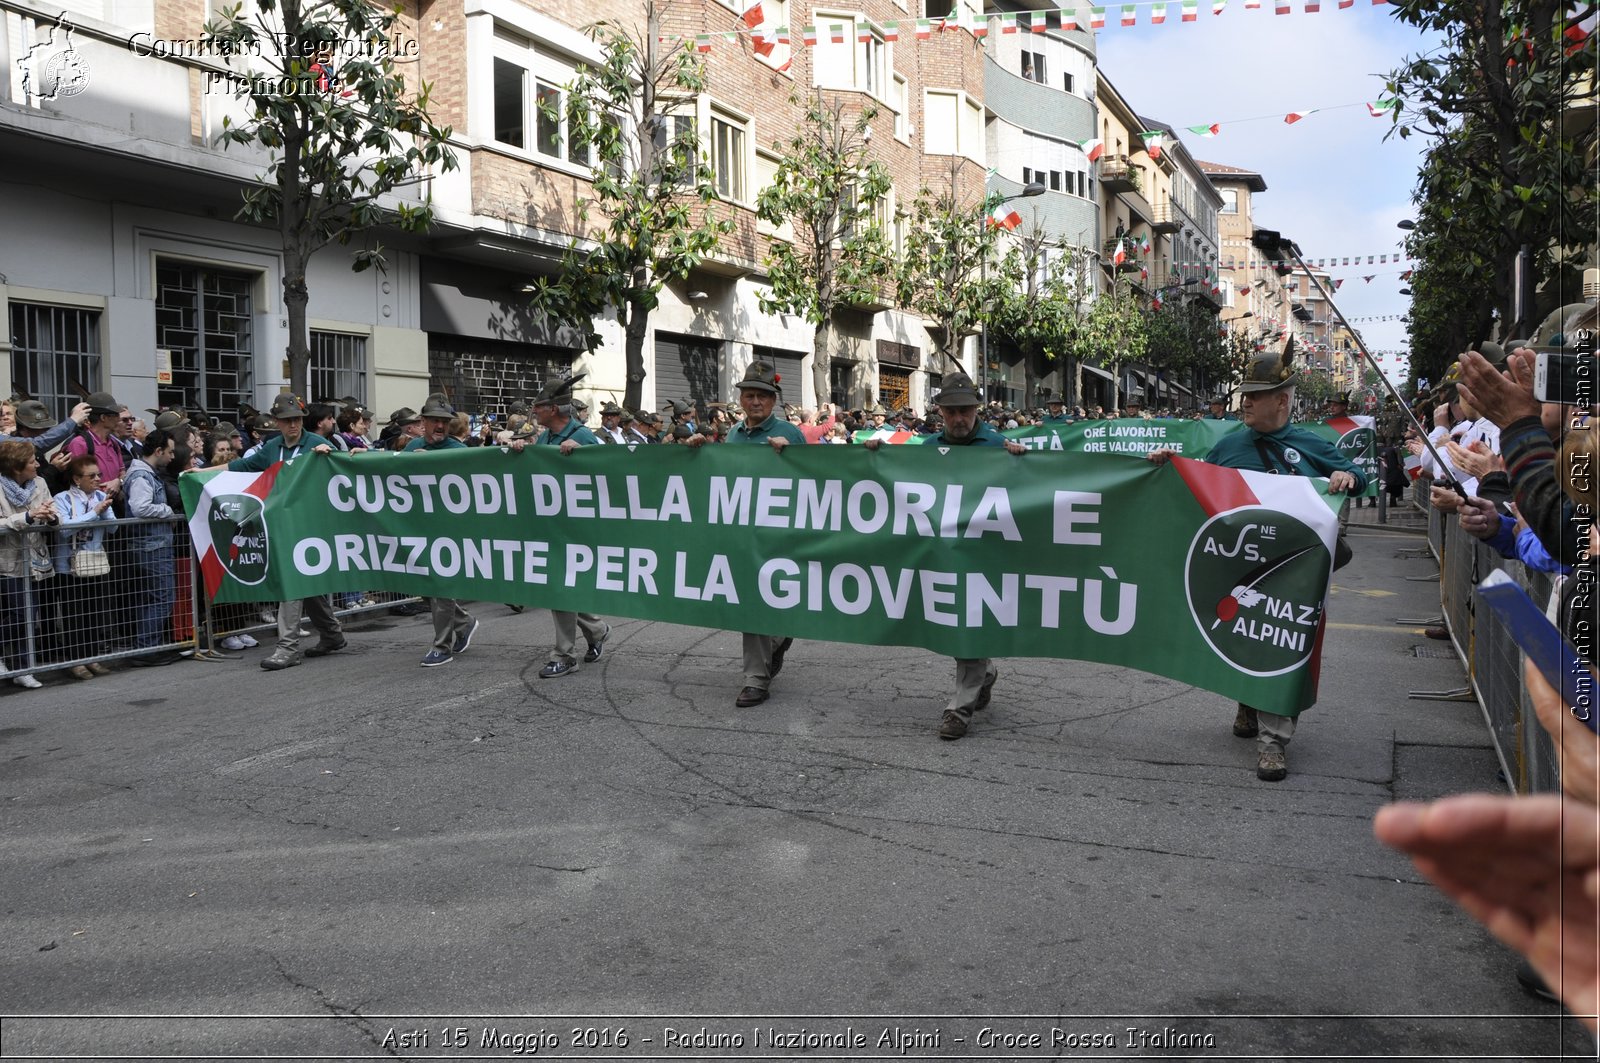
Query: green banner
x: 1211, y: 576
x: 1191, y: 438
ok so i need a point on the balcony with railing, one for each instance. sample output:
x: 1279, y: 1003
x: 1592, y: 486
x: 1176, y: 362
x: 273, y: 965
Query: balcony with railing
x: 1118, y: 174
x: 1131, y: 262
x: 1168, y: 218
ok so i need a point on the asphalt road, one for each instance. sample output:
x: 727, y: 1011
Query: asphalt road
x: 358, y: 850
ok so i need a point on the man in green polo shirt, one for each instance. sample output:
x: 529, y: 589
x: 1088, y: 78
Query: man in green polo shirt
x: 759, y: 392
x: 1271, y: 444
x: 552, y: 409
x: 958, y: 408
x: 291, y: 442
x: 1056, y: 411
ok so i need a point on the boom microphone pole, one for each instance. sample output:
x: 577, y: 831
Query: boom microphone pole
x: 1275, y: 245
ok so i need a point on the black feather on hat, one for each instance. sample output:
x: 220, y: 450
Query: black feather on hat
x: 558, y: 392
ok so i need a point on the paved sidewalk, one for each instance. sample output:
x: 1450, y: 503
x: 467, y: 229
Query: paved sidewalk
x: 360, y: 840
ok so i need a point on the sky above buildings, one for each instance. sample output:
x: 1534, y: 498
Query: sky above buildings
x: 1334, y: 184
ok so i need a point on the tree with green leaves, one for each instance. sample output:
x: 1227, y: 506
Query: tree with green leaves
x: 1506, y: 159
x: 1454, y: 296
x: 828, y: 191
x: 1113, y: 332
x: 653, y: 189
x: 1185, y: 341
x: 345, y: 129
x: 942, y: 272
x: 1039, y: 302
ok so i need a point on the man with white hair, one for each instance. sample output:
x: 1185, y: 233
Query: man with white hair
x: 1271, y: 444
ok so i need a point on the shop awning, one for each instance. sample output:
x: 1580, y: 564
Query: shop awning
x: 1096, y: 370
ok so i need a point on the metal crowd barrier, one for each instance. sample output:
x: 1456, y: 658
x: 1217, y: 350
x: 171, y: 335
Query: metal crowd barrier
x: 70, y: 619
x: 1487, y: 651
x: 64, y: 620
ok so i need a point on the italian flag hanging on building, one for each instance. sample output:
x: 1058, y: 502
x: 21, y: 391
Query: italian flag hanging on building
x: 1158, y: 14
x: 1097, y: 18
x: 1130, y: 15
x: 1191, y: 10
x: 1093, y: 149
x: 1120, y: 255
x: 1152, y: 143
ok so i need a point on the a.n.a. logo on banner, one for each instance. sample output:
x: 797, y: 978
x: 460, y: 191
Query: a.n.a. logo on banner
x: 239, y: 536
x: 1360, y: 446
x: 1256, y: 579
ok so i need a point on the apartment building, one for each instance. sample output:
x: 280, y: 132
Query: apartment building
x: 1251, y: 304
x: 1159, y: 215
x: 124, y: 267
x: 1039, y: 91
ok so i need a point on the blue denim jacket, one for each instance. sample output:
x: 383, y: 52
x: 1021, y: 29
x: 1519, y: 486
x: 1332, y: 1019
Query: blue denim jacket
x: 80, y: 526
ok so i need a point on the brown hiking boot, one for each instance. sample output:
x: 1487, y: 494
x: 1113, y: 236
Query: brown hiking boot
x: 1244, y: 723
x: 953, y: 726
x: 1272, y: 765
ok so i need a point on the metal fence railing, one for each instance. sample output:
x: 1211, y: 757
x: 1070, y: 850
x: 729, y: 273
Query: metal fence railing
x: 75, y: 598
x: 72, y: 596
x: 1486, y: 649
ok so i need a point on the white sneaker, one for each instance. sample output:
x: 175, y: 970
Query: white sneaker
x: 247, y: 641
x: 269, y: 616
x: 27, y: 682
x: 233, y: 642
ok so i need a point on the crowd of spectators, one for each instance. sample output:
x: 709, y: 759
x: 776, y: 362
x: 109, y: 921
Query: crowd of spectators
x: 1520, y: 475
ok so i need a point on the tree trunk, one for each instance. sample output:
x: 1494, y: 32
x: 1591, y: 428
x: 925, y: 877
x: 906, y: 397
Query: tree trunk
x: 1030, y: 380
x: 635, y: 328
x: 822, y: 361
x: 295, y: 297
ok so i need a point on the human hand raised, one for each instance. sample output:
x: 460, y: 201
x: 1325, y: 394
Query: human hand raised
x: 1503, y: 399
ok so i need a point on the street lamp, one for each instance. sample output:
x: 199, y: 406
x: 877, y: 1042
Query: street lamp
x: 1029, y: 190
x: 1405, y: 223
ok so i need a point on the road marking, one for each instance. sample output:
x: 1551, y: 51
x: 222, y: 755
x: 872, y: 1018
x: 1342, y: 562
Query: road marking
x: 1373, y: 592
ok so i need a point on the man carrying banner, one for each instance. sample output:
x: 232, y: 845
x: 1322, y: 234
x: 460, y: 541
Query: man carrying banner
x: 291, y: 442
x: 759, y: 392
x: 958, y: 408
x: 1057, y: 411
x: 1271, y: 444
x: 1219, y: 410
x: 453, y: 626
x: 552, y: 408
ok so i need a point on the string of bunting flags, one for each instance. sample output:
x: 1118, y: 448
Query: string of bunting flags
x: 769, y: 37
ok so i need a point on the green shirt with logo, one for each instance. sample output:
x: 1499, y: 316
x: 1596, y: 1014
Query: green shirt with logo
x: 771, y: 428
x: 273, y: 451
x: 1291, y: 450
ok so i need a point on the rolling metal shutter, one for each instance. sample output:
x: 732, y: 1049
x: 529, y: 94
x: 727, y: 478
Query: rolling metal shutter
x: 687, y: 367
